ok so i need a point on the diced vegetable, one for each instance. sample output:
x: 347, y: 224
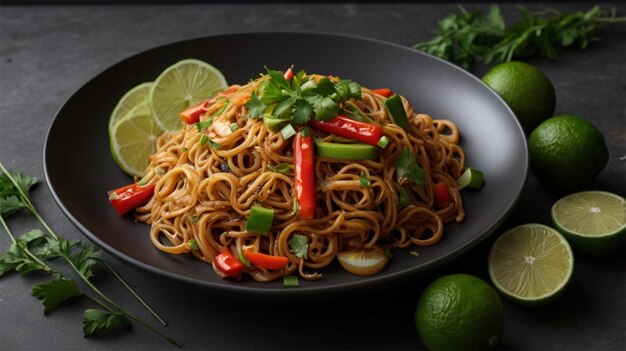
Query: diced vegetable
x: 386, y: 92
x: 226, y: 265
x: 265, y: 261
x: 291, y: 281
x: 442, y: 195
x: 303, y: 159
x: 287, y: 131
x: 472, y: 178
x: 346, y: 127
x: 193, y: 244
x: 364, y: 182
x: 192, y: 114
x: 288, y: 74
x: 260, y: 220
x: 396, y: 110
x: 131, y: 196
x: 345, y: 151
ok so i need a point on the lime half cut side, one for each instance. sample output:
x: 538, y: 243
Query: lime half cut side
x: 594, y: 222
x: 180, y: 86
x: 133, y: 140
x: 531, y: 264
x: 132, y: 98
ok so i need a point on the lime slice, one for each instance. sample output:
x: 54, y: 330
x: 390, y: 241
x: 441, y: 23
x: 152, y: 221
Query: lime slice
x: 471, y: 178
x: 531, y: 264
x: 130, y: 100
x: 180, y: 86
x: 593, y: 222
x: 133, y: 140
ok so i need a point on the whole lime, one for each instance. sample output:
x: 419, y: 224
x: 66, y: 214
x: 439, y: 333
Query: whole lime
x: 459, y: 312
x: 527, y: 91
x: 567, y: 152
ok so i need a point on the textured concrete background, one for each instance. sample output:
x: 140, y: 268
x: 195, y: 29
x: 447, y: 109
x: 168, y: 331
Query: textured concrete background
x: 48, y: 52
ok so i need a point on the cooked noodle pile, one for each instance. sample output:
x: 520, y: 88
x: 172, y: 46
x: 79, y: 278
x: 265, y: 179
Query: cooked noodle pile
x: 205, y: 189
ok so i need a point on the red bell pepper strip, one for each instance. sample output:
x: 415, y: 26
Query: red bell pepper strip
x: 266, y: 261
x: 442, y: 195
x: 343, y: 126
x: 192, y: 114
x: 288, y: 73
x: 386, y: 92
x: 130, y: 196
x: 227, y: 264
x: 304, y: 163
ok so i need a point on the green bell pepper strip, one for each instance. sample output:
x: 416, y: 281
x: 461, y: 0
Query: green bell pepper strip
x: 396, y: 110
x: 260, y: 220
x: 354, y: 151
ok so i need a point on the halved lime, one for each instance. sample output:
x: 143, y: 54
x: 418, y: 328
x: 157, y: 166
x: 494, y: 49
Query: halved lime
x: 133, y: 140
x: 593, y: 222
x: 130, y: 100
x: 180, y: 86
x: 531, y: 264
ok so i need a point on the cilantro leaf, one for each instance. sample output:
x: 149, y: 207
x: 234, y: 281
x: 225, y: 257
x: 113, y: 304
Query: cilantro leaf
x: 255, y: 106
x: 407, y: 167
x: 24, y: 183
x: 299, y: 245
x: 324, y: 107
x: 10, y: 204
x: 55, y: 292
x: 302, y: 112
x: 98, y: 322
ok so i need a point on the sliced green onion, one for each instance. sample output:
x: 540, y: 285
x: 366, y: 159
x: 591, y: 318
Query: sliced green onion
x: 193, y: 244
x: 291, y: 281
x: 283, y: 168
x: 260, y: 220
x: 383, y: 142
x: 364, y: 182
x: 221, y: 109
x: 242, y: 258
x: 204, y: 124
x: 233, y: 127
x: 214, y: 145
x: 287, y: 131
x: 204, y: 139
x: 194, y: 218
x: 471, y: 178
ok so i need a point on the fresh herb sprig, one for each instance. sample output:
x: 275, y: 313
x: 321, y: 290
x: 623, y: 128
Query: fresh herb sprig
x: 299, y: 99
x: 31, y: 251
x: 466, y: 38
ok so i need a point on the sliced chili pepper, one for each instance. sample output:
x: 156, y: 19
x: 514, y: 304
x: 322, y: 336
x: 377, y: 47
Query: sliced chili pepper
x: 303, y: 160
x: 386, y: 92
x: 346, y: 127
x: 227, y: 264
x: 442, y: 195
x: 131, y: 196
x: 289, y: 73
x: 192, y: 114
x: 265, y: 261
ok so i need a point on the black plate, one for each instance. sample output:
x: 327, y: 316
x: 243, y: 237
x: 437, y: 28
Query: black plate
x: 79, y: 169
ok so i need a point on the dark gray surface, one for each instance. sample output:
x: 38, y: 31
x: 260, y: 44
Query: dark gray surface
x: 47, y: 53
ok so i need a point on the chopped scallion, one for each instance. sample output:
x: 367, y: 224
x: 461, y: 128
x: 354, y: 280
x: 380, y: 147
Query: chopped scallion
x: 287, y: 131
x: 291, y: 281
x: 204, y: 139
x: 233, y: 127
x: 193, y: 244
x: 364, y: 182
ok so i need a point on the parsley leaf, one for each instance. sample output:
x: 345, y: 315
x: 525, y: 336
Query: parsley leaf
x: 9, y: 205
x: 98, y: 322
x: 55, y: 292
x: 22, y: 182
x: 407, y: 167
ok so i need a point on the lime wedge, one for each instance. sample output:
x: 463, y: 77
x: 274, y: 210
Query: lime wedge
x: 531, y: 264
x: 471, y: 178
x: 133, y: 140
x: 593, y: 222
x: 130, y: 100
x: 180, y: 86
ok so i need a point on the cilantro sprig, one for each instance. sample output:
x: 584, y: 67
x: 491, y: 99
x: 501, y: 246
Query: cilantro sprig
x: 280, y: 101
x: 466, y: 37
x: 31, y: 252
